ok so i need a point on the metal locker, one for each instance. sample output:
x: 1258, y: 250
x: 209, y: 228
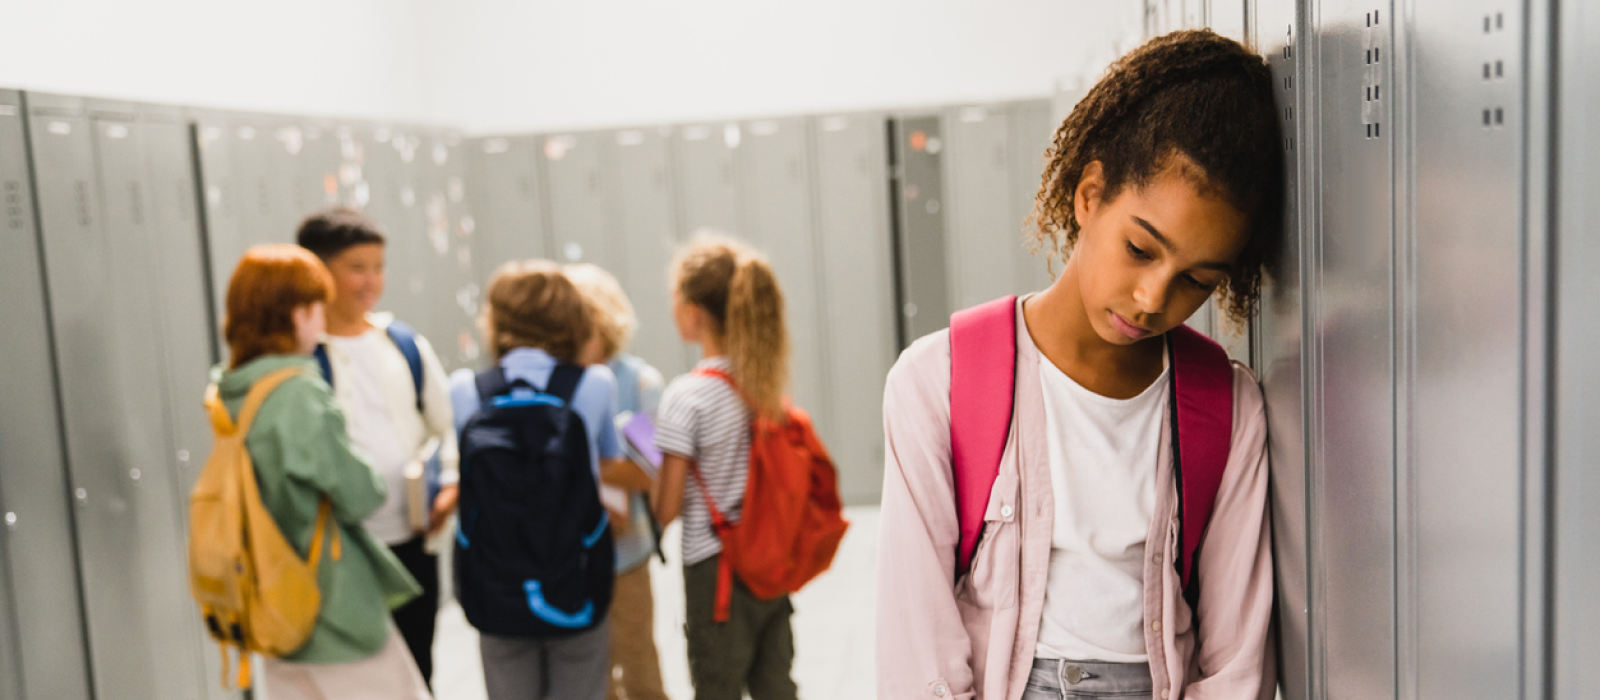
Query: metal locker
x: 984, y: 233
x: 775, y: 207
x: 648, y: 234
x: 317, y: 184
x: 185, y: 319
x: 578, y: 186
x: 1350, y: 300
x: 1575, y: 616
x: 503, y: 172
x: 851, y: 182
x: 222, y: 205
x: 43, y: 644
x: 456, y: 292
x: 146, y: 470
x: 1280, y: 363
x: 1464, y: 378
x: 389, y: 185
x: 264, y: 176
x: 1033, y: 127
x: 916, y: 150
x: 94, y: 213
x: 705, y: 174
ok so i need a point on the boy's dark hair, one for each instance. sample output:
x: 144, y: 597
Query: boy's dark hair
x: 1192, y: 94
x: 331, y: 231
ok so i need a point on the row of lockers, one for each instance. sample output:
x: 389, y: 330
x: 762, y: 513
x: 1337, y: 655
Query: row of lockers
x: 142, y: 212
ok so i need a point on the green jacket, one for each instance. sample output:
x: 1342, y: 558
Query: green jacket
x: 302, y: 453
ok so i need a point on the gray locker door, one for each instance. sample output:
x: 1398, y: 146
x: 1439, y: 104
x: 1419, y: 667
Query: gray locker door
x: 1350, y: 300
x: 505, y: 183
x: 921, y: 235
x: 147, y: 474
x: 985, y: 233
x: 705, y: 177
x: 647, y: 224
x: 216, y: 150
x: 392, y: 188
x: 1033, y: 127
x: 1575, y: 636
x: 44, y: 642
x: 267, y: 170
x: 1280, y: 365
x: 186, y: 327
x: 851, y: 180
x: 1465, y: 514
x: 455, y: 290
x: 318, y: 183
x: 576, y: 178
x: 100, y: 272
x: 775, y: 206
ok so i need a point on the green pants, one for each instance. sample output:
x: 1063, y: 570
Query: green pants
x: 753, y: 649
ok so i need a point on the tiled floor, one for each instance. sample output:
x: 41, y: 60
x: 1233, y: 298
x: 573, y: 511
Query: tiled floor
x: 833, y: 626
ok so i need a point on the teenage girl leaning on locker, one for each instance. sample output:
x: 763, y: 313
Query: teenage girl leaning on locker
x: 1055, y: 543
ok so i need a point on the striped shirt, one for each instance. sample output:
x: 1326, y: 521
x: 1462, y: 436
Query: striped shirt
x: 703, y: 419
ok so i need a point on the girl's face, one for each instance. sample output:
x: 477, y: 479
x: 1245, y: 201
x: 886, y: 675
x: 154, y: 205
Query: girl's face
x: 1149, y: 258
x: 309, y: 324
x: 691, y: 319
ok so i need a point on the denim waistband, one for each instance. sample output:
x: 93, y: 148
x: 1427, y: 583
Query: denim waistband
x: 1092, y: 677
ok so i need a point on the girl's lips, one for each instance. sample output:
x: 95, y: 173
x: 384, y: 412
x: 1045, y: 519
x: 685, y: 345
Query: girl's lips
x: 1127, y: 328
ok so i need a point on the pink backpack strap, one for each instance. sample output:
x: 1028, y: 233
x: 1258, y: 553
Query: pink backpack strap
x: 1203, y: 408
x: 983, y: 371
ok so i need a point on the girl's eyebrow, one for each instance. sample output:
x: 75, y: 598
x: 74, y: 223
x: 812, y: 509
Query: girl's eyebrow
x: 1167, y: 244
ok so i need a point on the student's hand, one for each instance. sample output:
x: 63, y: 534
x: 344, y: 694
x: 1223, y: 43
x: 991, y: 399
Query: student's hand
x: 443, y: 505
x: 619, y: 521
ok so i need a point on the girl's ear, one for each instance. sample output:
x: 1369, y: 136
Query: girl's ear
x: 1086, y: 199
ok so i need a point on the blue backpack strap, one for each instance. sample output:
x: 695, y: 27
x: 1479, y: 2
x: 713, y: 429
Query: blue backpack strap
x: 491, y: 383
x: 405, y: 338
x: 564, y: 382
x: 321, y: 353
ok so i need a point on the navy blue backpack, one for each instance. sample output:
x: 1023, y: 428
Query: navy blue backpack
x: 534, y: 555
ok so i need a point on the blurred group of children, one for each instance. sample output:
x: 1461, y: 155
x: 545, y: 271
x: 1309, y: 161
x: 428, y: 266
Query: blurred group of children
x: 368, y: 421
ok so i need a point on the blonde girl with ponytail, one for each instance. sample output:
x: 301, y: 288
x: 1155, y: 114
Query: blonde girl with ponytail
x: 726, y: 300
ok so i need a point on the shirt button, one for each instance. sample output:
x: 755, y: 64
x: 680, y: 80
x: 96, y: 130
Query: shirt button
x: 1005, y: 511
x: 938, y: 691
x: 1156, y: 625
x: 1158, y: 558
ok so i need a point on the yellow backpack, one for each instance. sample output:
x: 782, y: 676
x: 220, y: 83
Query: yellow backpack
x: 255, y: 592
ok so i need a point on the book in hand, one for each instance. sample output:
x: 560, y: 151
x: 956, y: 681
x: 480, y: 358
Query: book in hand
x: 422, y: 485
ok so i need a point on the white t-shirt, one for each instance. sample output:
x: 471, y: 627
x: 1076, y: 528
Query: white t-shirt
x: 372, y: 429
x: 1103, y: 454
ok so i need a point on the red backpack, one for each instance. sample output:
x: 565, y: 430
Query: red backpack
x: 983, y: 359
x: 792, y: 521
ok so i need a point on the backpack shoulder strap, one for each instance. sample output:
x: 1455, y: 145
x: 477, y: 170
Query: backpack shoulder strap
x: 1202, y: 432
x: 321, y: 354
x: 404, y: 337
x: 258, y: 396
x: 564, y: 382
x: 491, y: 383
x: 983, y: 370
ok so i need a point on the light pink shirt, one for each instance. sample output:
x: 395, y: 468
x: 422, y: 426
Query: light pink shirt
x: 975, y: 638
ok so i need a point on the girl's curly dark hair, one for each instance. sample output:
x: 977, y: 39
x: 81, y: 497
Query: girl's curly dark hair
x: 1191, y: 93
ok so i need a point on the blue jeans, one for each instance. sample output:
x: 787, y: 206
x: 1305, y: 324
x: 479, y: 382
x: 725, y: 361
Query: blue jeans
x: 1085, y: 680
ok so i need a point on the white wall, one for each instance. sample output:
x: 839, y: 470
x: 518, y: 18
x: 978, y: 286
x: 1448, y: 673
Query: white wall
x: 518, y: 65
x: 515, y: 65
x: 350, y: 58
